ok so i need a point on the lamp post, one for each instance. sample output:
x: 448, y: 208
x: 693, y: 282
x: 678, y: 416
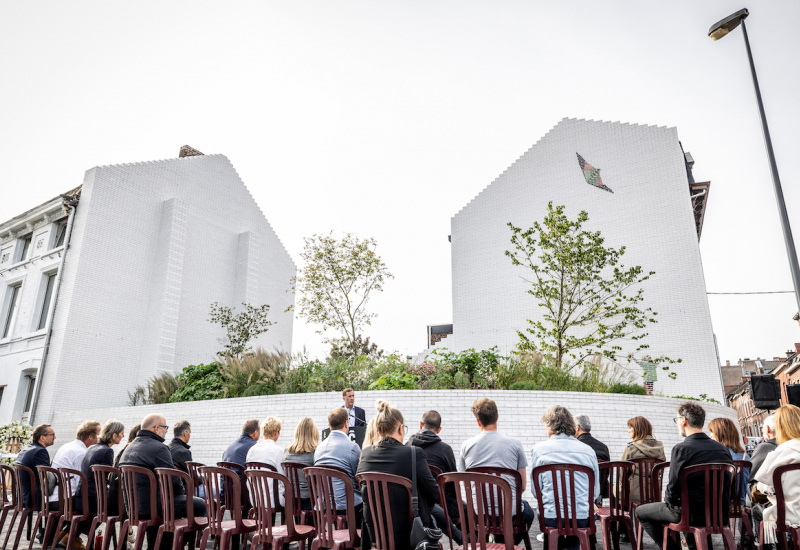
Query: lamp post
x: 717, y: 31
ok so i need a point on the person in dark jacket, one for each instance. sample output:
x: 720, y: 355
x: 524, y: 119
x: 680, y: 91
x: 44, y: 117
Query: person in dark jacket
x: 437, y: 453
x: 582, y: 428
x: 390, y: 456
x: 237, y: 451
x: 696, y: 449
x: 101, y: 454
x: 35, y: 455
x: 148, y: 451
x: 179, y: 446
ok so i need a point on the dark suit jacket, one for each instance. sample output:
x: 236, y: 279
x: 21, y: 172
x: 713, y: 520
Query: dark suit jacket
x: 360, y: 415
x: 389, y: 456
x: 32, y: 456
x: 601, y: 450
x: 695, y: 449
x: 237, y: 451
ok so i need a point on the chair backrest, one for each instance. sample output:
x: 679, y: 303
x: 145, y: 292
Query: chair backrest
x: 618, y: 475
x: 563, y: 477
x: 192, y: 467
x: 320, y: 485
x: 642, y: 476
x: 44, y: 505
x: 264, y: 503
x: 239, y: 470
x: 507, y: 473
x: 380, y: 506
x: 24, y: 473
x: 8, y: 487
x: 128, y: 477
x: 101, y: 476
x: 260, y: 466
x: 488, y: 496
x: 76, y: 489
x: 166, y: 489
x: 434, y: 470
x: 777, y: 483
x: 214, y: 479
x: 717, y: 478
x: 738, y: 485
x: 294, y: 473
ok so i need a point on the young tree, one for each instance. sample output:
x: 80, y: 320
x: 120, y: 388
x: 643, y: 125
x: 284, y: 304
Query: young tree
x: 241, y: 327
x: 336, y: 282
x: 591, y: 302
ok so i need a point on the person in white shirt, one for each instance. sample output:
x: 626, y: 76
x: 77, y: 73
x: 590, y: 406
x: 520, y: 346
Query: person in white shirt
x: 268, y: 451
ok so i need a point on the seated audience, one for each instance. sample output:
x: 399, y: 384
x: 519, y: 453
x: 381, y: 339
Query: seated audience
x: 131, y: 436
x: 388, y: 455
x: 724, y: 431
x: 642, y: 445
x: 237, y: 451
x: 760, y: 453
x: 113, y: 480
x: 101, y: 454
x: 179, y: 447
x: 491, y: 449
x: 339, y: 450
x: 301, y: 451
x: 268, y: 451
x: 787, y: 426
x: 438, y: 454
x: 696, y: 448
x: 32, y: 456
x: 582, y: 428
x: 562, y: 447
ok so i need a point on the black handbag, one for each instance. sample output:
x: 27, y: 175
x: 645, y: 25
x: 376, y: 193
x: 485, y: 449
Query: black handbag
x: 422, y: 538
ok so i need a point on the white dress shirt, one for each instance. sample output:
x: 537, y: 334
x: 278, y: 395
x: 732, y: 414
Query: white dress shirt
x: 267, y: 451
x: 69, y: 456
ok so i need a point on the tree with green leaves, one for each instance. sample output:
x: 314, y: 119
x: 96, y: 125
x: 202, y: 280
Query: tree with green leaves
x: 592, y: 303
x: 335, y: 285
x: 241, y: 328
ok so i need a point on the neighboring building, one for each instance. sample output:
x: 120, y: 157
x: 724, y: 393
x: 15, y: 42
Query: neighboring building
x: 127, y: 295
x: 654, y: 208
x: 788, y: 372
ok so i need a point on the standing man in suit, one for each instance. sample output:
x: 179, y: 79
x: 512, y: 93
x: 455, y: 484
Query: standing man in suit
x: 355, y: 415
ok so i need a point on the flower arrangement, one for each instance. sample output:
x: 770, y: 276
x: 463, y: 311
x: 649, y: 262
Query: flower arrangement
x: 13, y: 437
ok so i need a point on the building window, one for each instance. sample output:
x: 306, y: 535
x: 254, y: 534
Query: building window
x: 29, y: 394
x: 48, y: 297
x: 11, y: 311
x: 2, y: 390
x: 24, y: 248
x: 61, y: 235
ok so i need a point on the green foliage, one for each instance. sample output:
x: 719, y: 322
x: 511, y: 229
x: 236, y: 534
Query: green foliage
x: 343, y: 349
x: 703, y: 397
x: 259, y: 368
x: 632, y: 389
x: 261, y: 389
x: 198, y: 383
x: 591, y: 301
x: 395, y: 381
x: 335, y: 284
x: 156, y: 391
x: 240, y: 327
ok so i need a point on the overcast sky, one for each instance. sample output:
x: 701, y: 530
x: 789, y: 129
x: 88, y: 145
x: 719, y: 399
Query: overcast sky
x: 385, y: 118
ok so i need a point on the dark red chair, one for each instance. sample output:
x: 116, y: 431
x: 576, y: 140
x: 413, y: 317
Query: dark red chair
x: 738, y: 508
x: 331, y: 531
x: 649, y: 474
x: 275, y: 488
x: 488, y: 499
x: 128, y: 477
x: 434, y: 470
x: 73, y: 481
x: 294, y: 472
x: 520, y: 529
x: 9, y: 493
x: 179, y: 527
x: 781, y: 528
x: 264, y: 507
x: 566, y: 505
x: 214, y: 479
x: 192, y: 467
x: 49, y: 512
x: 21, y: 512
x: 619, y: 502
x: 380, y: 506
x: 717, y: 478
x: 239, y: 470
x: 103, y: 515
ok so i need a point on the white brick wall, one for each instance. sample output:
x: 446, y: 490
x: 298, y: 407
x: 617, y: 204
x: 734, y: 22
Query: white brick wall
x: 649, y: 212
x: 215, y: 424
x: 153, y: 245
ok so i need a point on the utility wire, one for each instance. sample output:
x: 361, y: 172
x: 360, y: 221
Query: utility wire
x: 768, y: 292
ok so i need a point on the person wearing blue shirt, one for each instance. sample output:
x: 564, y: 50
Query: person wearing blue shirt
x: 562, y: 447
x: 237, y: 451
x: 339, y: 450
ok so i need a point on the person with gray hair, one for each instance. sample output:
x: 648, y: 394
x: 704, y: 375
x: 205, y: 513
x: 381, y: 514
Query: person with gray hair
x: 562, y: 447
x: 101, y: 454
x: 764, y: 448
x: 179, y: 447
x: 582, y: 428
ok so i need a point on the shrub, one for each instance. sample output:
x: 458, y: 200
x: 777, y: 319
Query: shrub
x: 395, y: 381
x: 156, y: 391
x: 198, y: 383
x: 633, y: 389
x: 261, y: 389
x: 257, y: 368
x: 526, y: 385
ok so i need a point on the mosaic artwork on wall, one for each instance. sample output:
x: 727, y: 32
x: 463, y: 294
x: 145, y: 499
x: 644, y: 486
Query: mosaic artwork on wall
x: 592, y: 174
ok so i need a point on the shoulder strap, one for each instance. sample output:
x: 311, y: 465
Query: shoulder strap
x: 414, y: 499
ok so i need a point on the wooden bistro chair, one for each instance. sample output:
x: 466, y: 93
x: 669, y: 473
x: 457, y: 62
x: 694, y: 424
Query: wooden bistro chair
x: 717, y: 477
x: 294, y: 472
x: 105, y: 507
x: 619, y: 500
x: 738, y: 508
x: 9, y: 493
x: 49, y: 512
x: 488, y: 497
x: 649, y: 472
x: 131, y: 498
x: 520, y: 529
x: 214, y: 479
x: 566, y: 506
x: 73, y: 481
x: 193, y: 467
x: 179, y: 527
x: 329, y: 533
x: 781, y: 528
x: 22, y: 513
x: 265, y: 506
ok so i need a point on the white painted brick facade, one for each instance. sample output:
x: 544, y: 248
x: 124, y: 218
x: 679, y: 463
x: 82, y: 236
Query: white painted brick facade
x: 649, y: 212
x: 215, y: 424
x: 153, y: 245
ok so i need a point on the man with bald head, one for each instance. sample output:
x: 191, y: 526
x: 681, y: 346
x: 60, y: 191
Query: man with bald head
x: 149, y: 451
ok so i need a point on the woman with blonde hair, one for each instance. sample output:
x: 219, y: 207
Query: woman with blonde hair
x: 371, y: 435
x: 787, y: 424
x: 301, y: 451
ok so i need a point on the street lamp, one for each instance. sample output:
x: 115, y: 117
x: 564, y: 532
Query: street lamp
x: 717, y: 31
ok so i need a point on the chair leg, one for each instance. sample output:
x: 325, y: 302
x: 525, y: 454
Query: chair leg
x: 73, y: 532
x: 583, y: 538
x: 11, y: 527
x: 23, y: 518
x: 55, y: 533
x: 123, y: 535
x: 605, y: 527
x: 526, y: 538
x: 631, y: 534
x: 21, y: 526
x: 552, y: 544
x: 728, y: 539
x: 204, y: 538
x: 701, y: 539
x: 141, y: 531
x: 158, y: 538
x: 3, y: 518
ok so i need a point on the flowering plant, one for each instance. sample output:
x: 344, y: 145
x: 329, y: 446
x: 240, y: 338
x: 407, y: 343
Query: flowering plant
x: 12, y: 437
